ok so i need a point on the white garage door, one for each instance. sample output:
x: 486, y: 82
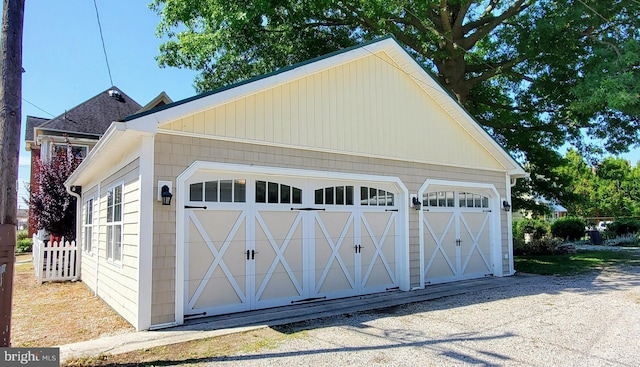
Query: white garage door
x: 457, y: 235
x: 256, y: 241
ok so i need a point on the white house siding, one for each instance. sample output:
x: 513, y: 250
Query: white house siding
x: 368, y: 106
x: 116, y: 284
x: 89, y: 258
x: 173, y: 154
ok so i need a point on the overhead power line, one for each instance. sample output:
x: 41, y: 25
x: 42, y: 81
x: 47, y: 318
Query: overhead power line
x: 104, y: 49
x: 48, y: 113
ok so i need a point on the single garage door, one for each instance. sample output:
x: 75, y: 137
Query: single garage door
x: 255, y: 241
x: 458, y: 236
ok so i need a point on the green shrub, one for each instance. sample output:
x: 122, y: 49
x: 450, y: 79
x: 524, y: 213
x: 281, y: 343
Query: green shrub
x: 22, y: 234
x: 537, y: 228
x: 624, y: 227
x: 543, y: 246
x: 568, y: 228
x: 24, y: 245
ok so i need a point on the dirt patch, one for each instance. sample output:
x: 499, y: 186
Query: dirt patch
x: 194, y: 352
x: 59, y: 313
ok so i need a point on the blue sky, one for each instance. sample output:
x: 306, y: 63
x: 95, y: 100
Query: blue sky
x: 65, y: 65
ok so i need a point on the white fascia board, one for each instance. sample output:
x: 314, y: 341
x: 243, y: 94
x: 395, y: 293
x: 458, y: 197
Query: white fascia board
x: 113, y: 143
x: 109, y: 135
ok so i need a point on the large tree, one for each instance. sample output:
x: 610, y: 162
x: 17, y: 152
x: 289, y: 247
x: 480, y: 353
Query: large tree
x: 536, y: 74
x: 611, y: 188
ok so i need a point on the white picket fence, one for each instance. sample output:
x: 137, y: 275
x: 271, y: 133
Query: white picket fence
x: 57, y: 261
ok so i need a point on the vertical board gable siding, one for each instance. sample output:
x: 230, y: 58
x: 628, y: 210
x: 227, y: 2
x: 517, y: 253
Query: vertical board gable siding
x: 367, y: 106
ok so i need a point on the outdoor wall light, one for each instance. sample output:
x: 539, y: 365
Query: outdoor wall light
x: 166, y: 195
x: 416, y: 203
x: 164, y: 192
x: 506, y: 206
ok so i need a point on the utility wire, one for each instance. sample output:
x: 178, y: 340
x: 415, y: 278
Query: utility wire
x: 48, y: 113
x: 104, y: 49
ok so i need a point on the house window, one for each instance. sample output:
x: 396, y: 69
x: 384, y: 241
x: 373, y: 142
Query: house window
x: 219, y: 191
x: 335, y: 195
x: 78, y: 151
x: 114, y: 224
x: 375, y: 197
x: 88, y: 225
x: 275, y: 193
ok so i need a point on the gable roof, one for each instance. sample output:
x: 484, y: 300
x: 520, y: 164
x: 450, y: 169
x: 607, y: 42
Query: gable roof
x: 161, y: 100
x: 148, y: 122
x: 95, y: 115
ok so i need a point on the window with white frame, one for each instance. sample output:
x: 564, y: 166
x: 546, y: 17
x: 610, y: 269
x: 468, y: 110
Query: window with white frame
x: 114, y: 224
x: 78, y: 151
x: 87, y: 225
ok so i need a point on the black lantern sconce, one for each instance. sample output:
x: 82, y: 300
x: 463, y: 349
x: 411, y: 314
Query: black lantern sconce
x: 415, y: 202
x: 164, y: 192
x: 166, y: 195
x: 506, y: 206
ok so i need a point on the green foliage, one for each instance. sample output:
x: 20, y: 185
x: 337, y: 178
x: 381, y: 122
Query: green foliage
x: 568, y: 228
x: 22, y: 234
x: 536, y: 74
x: 570, y: 264
x: 538, y: 243
x: 624, y: 226
x: 53, y: 207
x: 542, y: 246
x: 610, y: 189
x: 24, y: 245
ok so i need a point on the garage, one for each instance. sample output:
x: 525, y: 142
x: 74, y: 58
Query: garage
x: 459, y: 236
x: 254, y: 238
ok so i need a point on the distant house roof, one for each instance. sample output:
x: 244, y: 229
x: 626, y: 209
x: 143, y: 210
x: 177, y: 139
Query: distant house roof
x: 32, y: 122
x: 161, y: 100
x: 91, y: 117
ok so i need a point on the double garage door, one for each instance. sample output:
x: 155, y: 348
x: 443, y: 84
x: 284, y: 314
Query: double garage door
x: 256, y: 241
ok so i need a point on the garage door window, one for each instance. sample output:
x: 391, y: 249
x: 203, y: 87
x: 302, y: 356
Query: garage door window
x: 469, y: 200
x: 334, y: 195
x: 447, y: 199
x: 222, y: 191
x: 375, y: 197
x: 276, y: 193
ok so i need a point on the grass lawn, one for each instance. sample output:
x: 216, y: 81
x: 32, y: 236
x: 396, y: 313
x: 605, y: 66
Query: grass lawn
x: 569, y: 264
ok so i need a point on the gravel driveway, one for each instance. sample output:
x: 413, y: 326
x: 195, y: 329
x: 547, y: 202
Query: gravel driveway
x: 587, y: 320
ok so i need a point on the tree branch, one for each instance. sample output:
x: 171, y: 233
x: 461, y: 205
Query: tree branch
x: 484, y: 26
x: 490, y: 71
